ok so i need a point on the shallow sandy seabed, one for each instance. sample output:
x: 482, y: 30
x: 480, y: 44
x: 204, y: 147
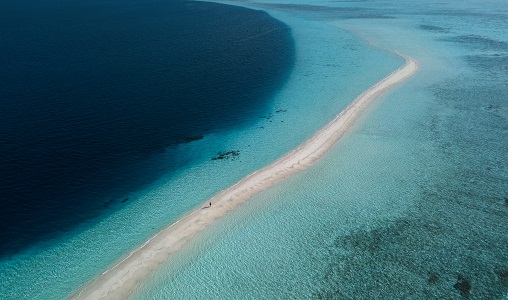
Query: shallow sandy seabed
x: 122, y: 278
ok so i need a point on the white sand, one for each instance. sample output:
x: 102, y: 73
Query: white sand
x: 121, y: 279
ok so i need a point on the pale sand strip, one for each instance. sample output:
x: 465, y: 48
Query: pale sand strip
x: 118, y: 281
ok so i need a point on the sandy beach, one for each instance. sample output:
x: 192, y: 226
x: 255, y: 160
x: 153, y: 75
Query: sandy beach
x: 118, y: 281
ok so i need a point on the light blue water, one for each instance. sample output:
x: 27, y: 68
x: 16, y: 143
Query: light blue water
x: 84, y: 116
x: 414, y: 196
x: 411, y: 205
x: 332, y: 67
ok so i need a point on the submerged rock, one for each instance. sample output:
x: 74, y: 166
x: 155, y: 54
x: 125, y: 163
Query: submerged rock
x: 192, y: 138
x: 432, y: 277
x: 108, y: 203
x: 233, y: 154
x: 462, y: 285
x: 502, y: 273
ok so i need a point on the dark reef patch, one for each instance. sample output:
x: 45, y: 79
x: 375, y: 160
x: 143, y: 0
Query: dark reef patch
x: 192, y: 138
x: 458, y: 223
x: 232, y: 154
x: 463, y: 285
x: 478, y: 42
x: 433, y: 28
x: 433, y: 278
x: 494, y: 64
x: 502, y: 273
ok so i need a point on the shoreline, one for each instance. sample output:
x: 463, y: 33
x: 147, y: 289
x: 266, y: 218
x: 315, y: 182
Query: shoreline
x: 122, y: 278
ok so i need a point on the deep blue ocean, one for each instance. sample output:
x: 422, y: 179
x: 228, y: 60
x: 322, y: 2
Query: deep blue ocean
x: 89, y: 90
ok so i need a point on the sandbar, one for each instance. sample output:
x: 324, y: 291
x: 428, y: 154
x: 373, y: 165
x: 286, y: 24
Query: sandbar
x: 118, y: 281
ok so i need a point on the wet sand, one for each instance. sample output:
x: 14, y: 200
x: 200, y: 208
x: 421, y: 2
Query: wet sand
x: 118, y: 281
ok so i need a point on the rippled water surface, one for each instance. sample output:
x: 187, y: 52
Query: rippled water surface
x: 411, y: 205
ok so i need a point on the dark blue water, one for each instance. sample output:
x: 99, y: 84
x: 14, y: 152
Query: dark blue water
x: 91, y: 89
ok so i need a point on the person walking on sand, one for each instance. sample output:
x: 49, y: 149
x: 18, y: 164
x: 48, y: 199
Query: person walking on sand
x: 210, y: 204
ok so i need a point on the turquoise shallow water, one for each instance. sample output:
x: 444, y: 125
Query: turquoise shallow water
x: 330, y: 70
x: 411, y: 205
x: 93, y: 91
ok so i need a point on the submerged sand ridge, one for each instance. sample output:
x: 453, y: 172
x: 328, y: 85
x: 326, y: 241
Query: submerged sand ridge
x: 122, y: 278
